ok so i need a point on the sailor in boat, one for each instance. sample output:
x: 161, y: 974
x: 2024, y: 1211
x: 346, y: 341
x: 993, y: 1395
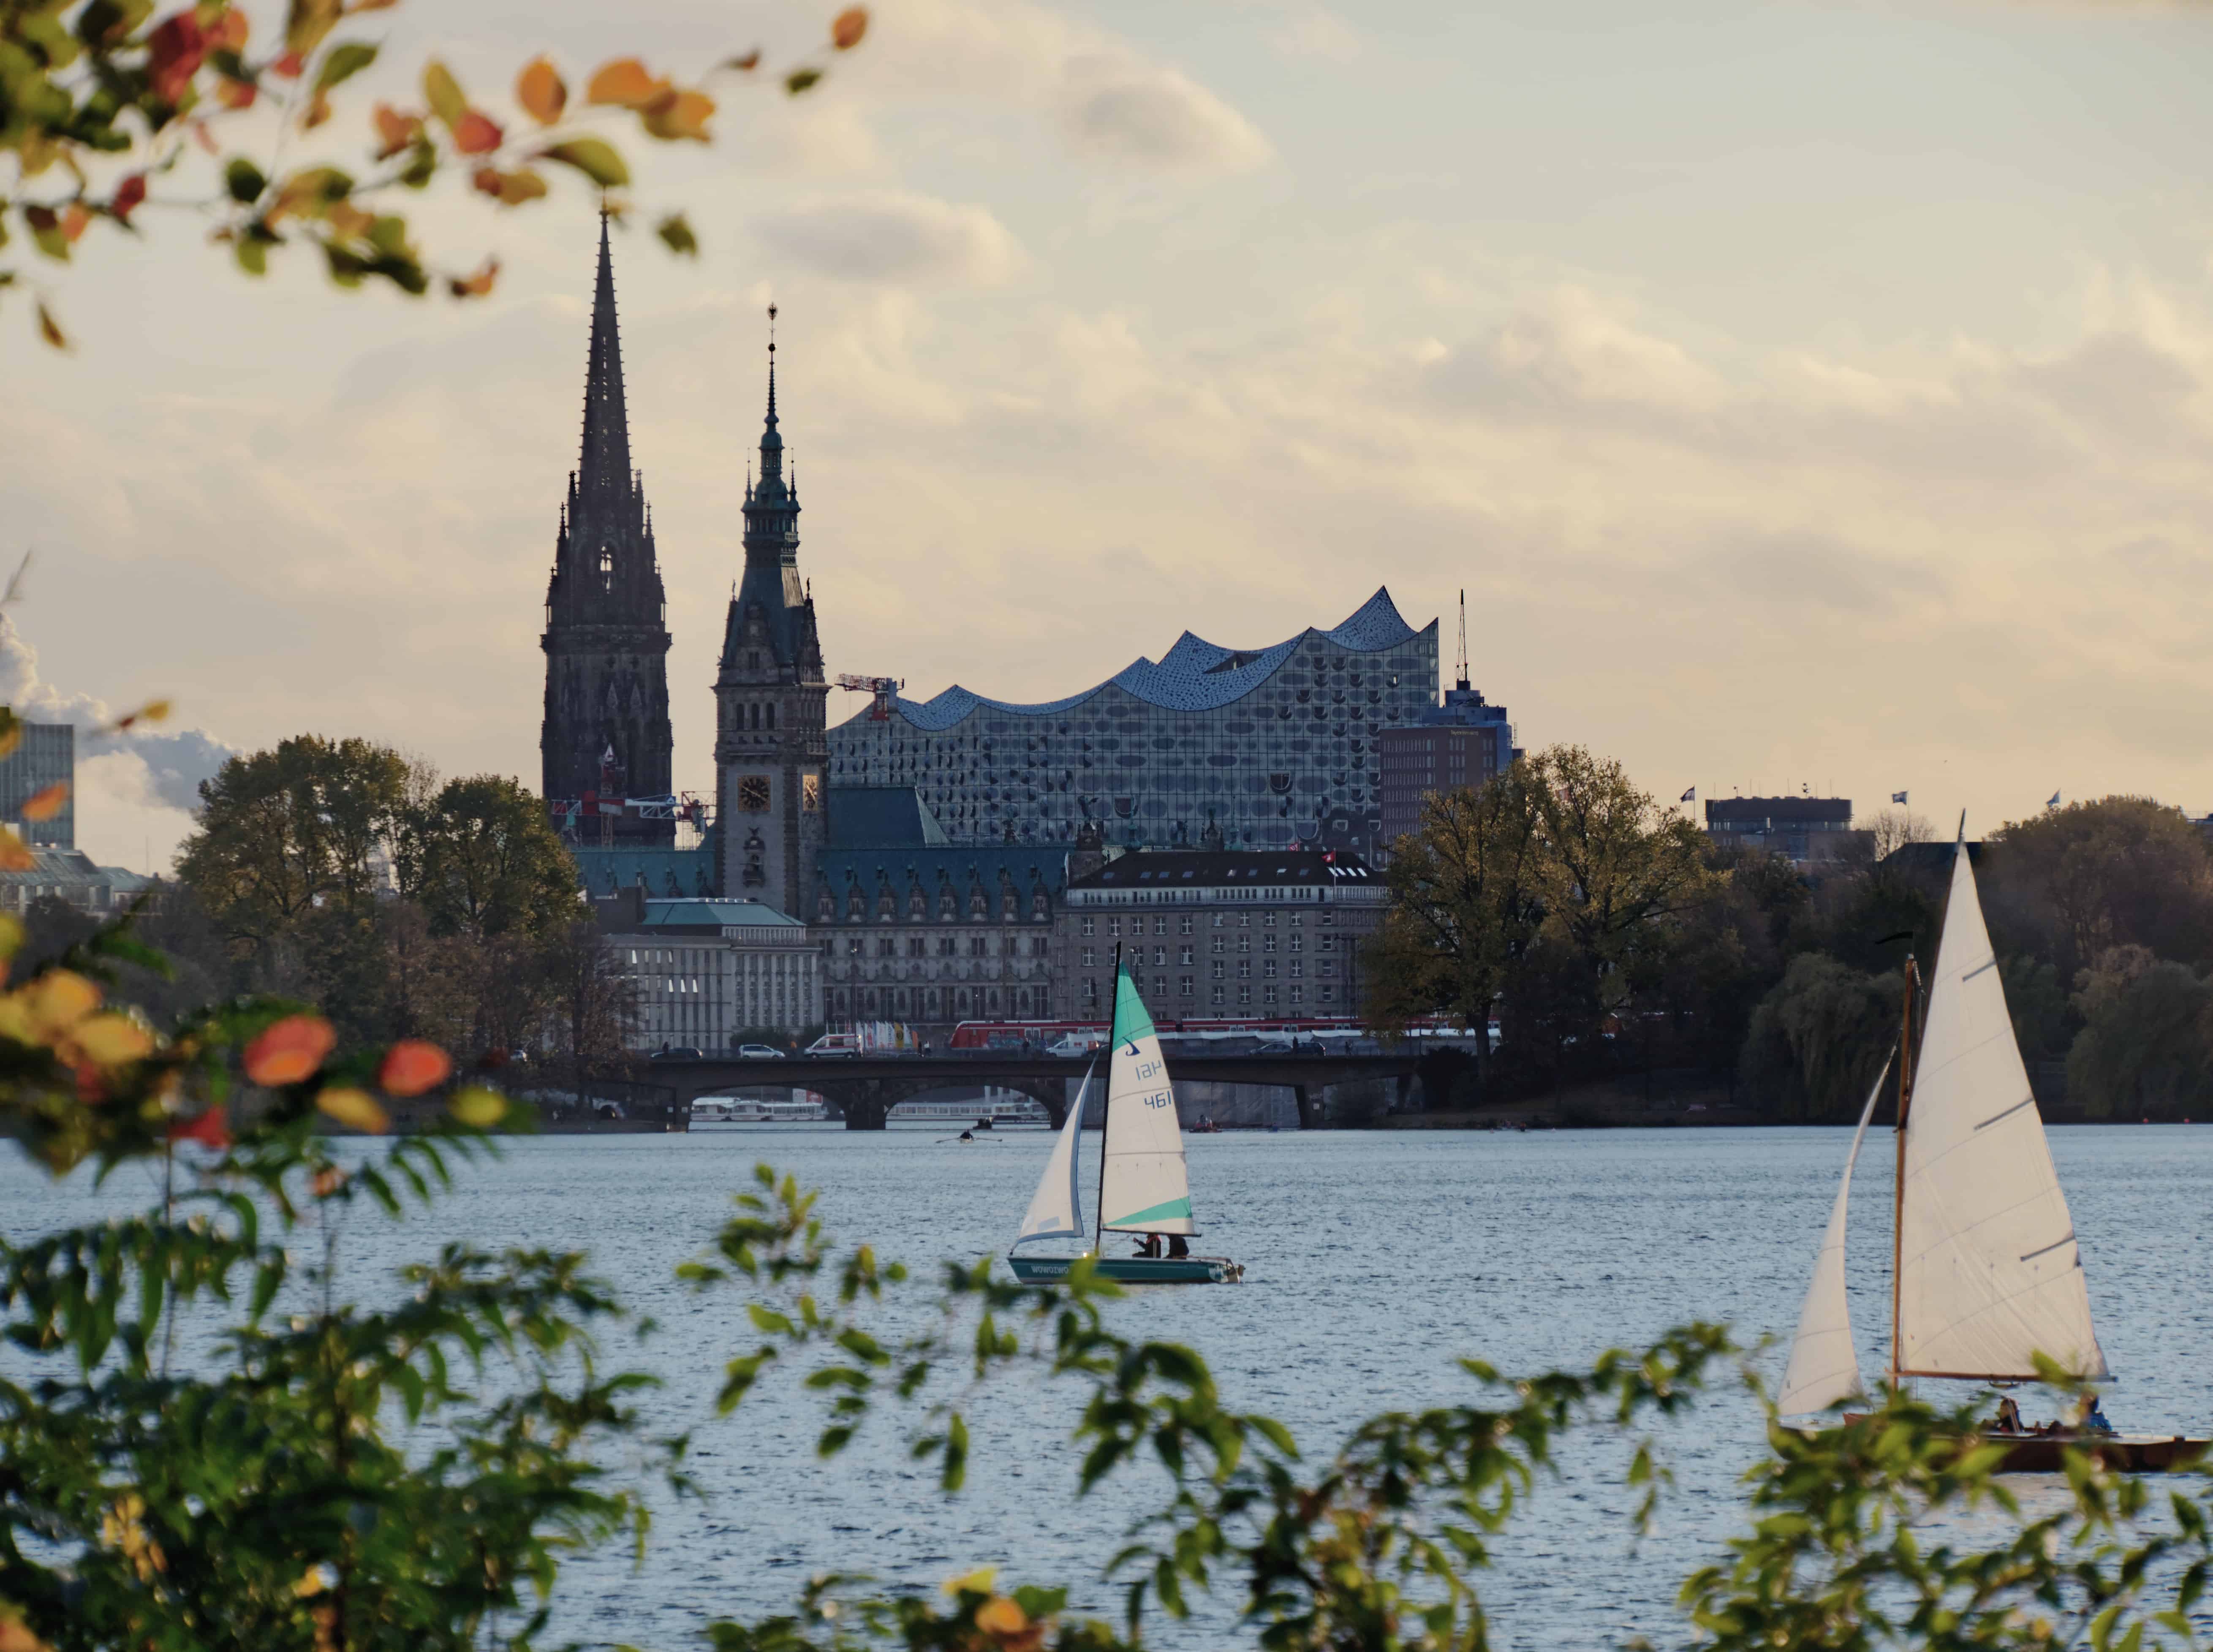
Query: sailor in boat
x: 1179, y: 1245
x: 2008, y: 1417
x: 1149, y: 1245
x: 2094, y: 1418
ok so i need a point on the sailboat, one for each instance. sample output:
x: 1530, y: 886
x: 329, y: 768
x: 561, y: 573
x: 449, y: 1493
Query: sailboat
x: 1985, y: 1270
x: 1142, y: 1178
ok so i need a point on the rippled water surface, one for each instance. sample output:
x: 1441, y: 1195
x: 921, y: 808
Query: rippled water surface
x: 1374, y: 1259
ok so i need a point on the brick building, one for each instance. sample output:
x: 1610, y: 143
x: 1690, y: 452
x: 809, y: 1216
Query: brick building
x: 1216, y: 933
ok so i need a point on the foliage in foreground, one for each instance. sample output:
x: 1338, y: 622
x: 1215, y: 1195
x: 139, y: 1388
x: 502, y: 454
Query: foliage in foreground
x: 205, y: 1443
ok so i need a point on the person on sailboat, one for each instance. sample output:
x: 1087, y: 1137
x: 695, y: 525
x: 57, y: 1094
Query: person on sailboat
x: 1179, y: 1245
x: 1149, y: 1245
x: 2094, y: 1418
x: 2009, y: 1419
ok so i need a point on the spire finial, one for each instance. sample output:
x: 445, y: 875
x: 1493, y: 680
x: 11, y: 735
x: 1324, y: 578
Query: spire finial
x: 605, y: 463
x: 772, y: 447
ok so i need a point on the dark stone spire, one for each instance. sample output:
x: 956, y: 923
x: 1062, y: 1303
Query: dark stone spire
x: 771, y: 587
x: 605, y: 642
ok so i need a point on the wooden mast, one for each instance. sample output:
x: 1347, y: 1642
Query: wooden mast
x: 1898, y: 1207
x: 1113, y: 1004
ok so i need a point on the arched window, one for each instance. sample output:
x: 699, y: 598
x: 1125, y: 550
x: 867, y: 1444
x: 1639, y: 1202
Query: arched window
x: 917, y: 905
x: 855, y: 908
x: 771, y: 715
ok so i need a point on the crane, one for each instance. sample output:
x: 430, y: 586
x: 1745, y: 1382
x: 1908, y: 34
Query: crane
x: 882, y: 687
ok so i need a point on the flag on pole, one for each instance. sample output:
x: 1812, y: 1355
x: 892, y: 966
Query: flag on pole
x: 1898, y: 798
x: 1689, y: 794
x: 2052, y: 801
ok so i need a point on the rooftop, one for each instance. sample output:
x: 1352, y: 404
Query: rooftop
x: 1728, y: 811
x: 1214, y: 867
x: 881, y: 817
x: 1194, y: 675
x: 633, y: 917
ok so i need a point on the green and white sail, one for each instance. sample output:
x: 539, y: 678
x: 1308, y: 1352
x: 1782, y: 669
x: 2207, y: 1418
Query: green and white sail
x: 1143, y: 1188
x: 1057, y: 1208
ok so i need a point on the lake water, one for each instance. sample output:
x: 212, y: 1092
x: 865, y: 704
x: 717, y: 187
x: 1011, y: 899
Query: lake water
x: 1374, y: 1259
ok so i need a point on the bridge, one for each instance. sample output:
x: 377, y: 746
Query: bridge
x: 866, y: 1088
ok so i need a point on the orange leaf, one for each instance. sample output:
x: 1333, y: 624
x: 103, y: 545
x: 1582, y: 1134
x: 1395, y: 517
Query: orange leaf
x: 74, y: 220
x: 1000, y: 1616
x: 289, y: 1050
x: 210, y: 1129
x: 541, y: 91
x: 476, y: 134
x: 412, y: 1067
x: 513, y: 188
x: 50, y: 331
x: 327, y: 1181
x: 128, y: 194
x: 680, y: 114
x: 47, y: 802
x: 231, y: 30
x: 625, y: 81
x: 478, y: 285
x: 15, y: 854
x: 394, y: 130
x: 848, y: 26
x: 289, y: 65
x: 235, y: 94
x: 746, y: 65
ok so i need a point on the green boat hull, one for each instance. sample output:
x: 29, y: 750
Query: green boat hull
x: 1134, y: 1270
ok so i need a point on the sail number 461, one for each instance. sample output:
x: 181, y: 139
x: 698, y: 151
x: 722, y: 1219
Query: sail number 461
x: 1159, y: 1098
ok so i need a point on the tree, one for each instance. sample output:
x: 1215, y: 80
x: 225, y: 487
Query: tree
x: 1466, y: 899
x: 293, y: 841
x: 2074, y: 882
x: 1817, y: 1041
x: 2146, y: 1045
x: 110, y: 111
x: 487, y: 862
x: 1620, y: 869
x: 596, y: 1001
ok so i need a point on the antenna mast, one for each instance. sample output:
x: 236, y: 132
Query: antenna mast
x: 1463, y: 683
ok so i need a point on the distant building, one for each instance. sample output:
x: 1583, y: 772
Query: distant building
x: 1804, y: 830
x: 1465, y: 742
x: 1272, y: 746
x: 706, y: 971
x: 920, y: 929
x: 1213, y: 934
x: 45, y: 757
x: 69, y: 875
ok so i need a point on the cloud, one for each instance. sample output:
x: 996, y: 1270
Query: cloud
x: 158, y: 769
x: 1315, y: 32
x: 1119, y: 107
x: 896, y: 238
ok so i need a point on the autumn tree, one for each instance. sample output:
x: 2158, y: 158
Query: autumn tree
x: 2074, y: 882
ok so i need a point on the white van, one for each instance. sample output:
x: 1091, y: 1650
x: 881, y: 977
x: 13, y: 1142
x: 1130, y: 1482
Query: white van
x: 836, y: 1044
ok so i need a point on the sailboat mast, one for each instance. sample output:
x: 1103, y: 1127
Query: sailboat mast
x: 1898, y: 1209
x: 1106, y: 1119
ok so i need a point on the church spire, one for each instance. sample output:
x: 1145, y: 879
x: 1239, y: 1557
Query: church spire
x: 771, y: 447
x: 605, y: 463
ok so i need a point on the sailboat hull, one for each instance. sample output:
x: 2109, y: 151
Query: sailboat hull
x: 1134, y: 1270
x: 2123, y: 1453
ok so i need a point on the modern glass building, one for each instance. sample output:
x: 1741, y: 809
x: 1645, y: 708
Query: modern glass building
x: 45, y: 757
x: 1211, y: 747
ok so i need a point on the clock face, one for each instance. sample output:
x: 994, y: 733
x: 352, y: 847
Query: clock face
x: 752, y: 792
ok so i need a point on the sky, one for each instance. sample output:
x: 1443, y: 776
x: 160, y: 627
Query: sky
x: 1805, y: 395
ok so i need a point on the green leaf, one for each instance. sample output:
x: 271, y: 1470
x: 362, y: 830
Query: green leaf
x: 244, y: 180
x: 345, y: 60
x: 677, y: 234
x: 800, y: 79
x: 594, y: 157
x: 443, y: 93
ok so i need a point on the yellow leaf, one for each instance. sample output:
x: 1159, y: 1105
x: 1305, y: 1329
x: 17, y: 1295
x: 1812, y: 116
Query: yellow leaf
x: 113, y: 1040
x: 478, y: 285
x: 541, y: 91
x: 355, y: 1109
x: 848, y: 26
x: 47, y: 801
x: 478, y: 1107
x: 1002, y: 1617
x: 625, y: 81
x: 976, y: 1582
x: 680, y: 114
x: 11, y: 935
x: 594, y: 157
x: 14, y: 854
x: 58, y: 1000
x: 512, y: 188
x: 14, y: 1637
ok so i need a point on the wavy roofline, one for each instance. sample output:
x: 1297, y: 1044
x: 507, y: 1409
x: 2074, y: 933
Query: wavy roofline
x: 1179, y: 681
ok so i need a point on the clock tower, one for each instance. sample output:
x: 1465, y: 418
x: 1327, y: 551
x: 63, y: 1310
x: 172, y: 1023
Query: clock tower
x: 772, y: 746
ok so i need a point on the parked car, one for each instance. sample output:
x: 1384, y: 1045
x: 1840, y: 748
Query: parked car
x: 759, y: 1052
x: 836, y: 1044
x: 682, y: 1052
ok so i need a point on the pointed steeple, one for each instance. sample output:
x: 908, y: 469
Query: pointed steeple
x: 771, y: 444
x: 605, y: 463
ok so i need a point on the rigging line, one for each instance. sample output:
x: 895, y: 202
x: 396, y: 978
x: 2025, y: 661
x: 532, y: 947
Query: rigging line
x: 2027, y: 1101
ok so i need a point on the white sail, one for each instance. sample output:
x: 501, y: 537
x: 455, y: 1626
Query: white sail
x: 1988, y: 1273
x: 1143, y: 1188
x: 1057, y: 1208
x: 1824, y: 1367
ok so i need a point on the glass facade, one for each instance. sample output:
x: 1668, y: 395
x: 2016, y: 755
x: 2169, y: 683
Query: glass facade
x: 46, y: 757
x: 1264, y: 748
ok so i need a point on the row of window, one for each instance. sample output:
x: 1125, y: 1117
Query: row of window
x: 1187, y: 923
x: 1322, y: 943
x: 946, y: 946
x: 1218, y: 997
